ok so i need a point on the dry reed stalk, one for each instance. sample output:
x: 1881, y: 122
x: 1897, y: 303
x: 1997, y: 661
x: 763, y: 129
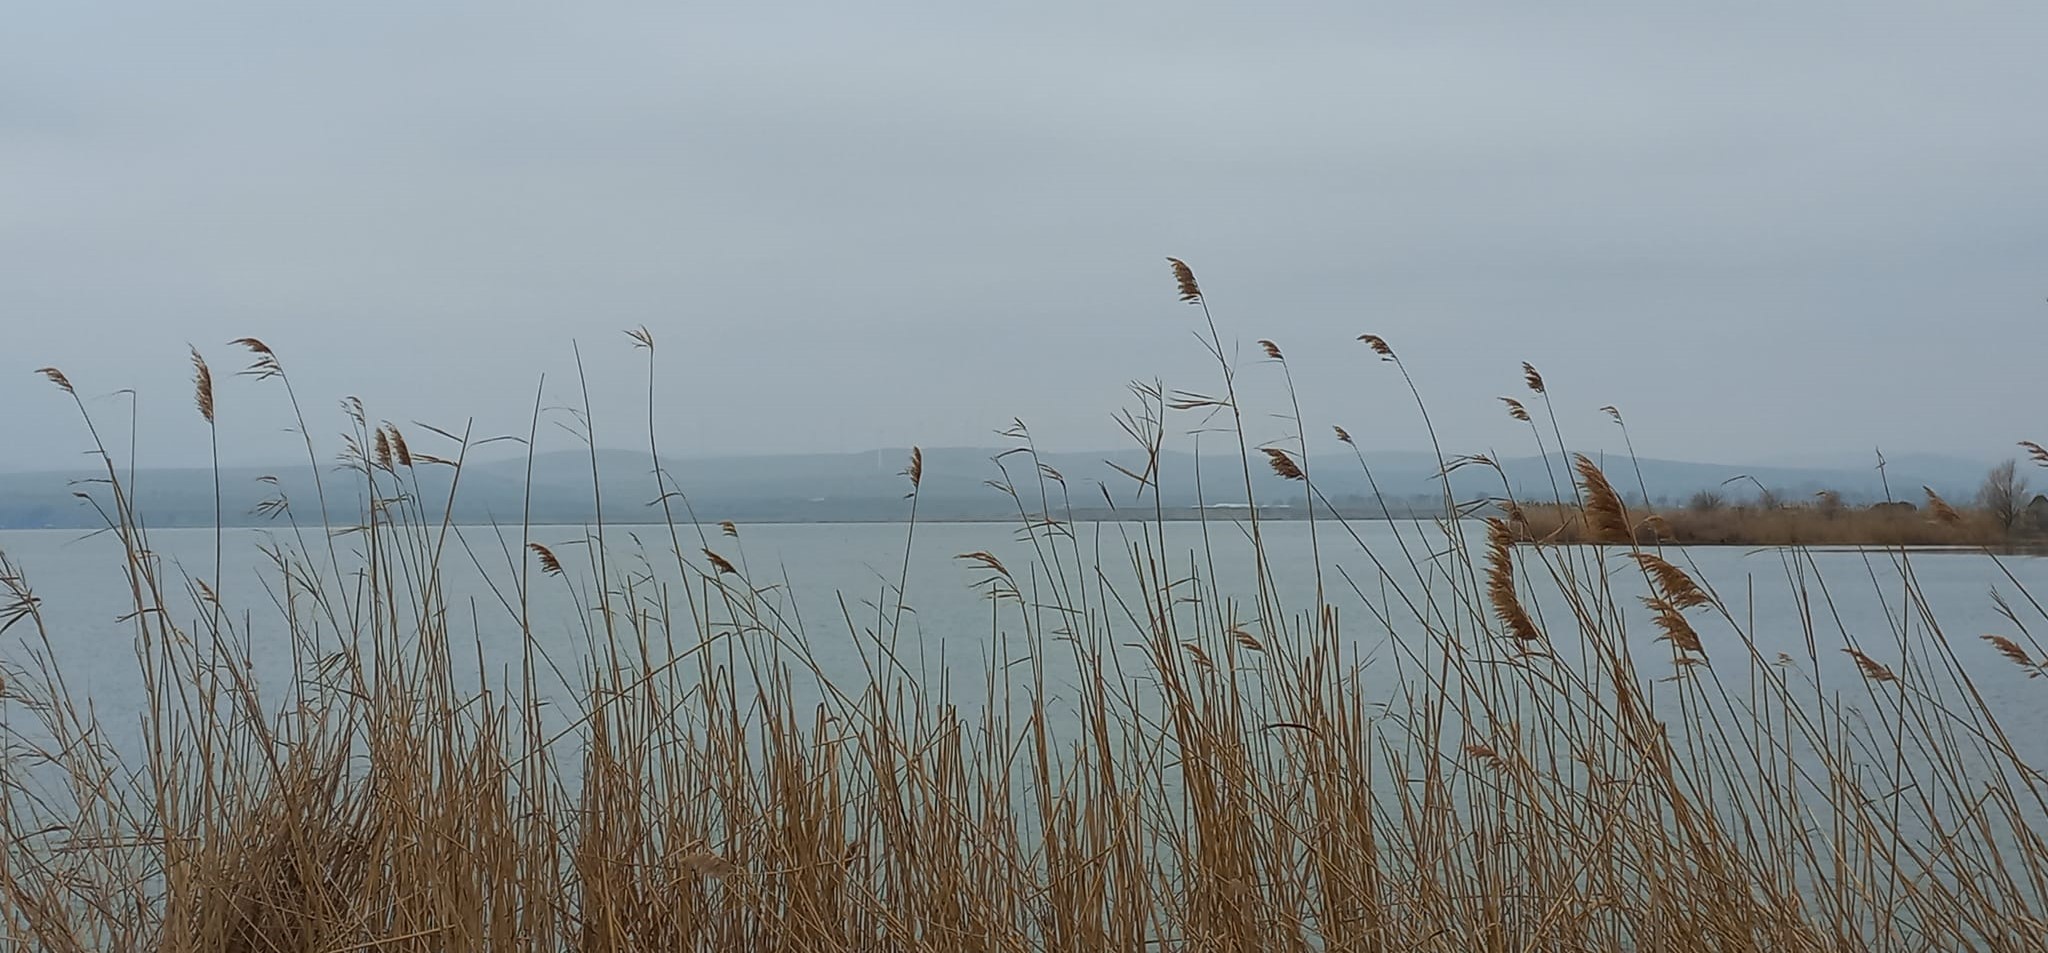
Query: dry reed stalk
x: 1500, y: 798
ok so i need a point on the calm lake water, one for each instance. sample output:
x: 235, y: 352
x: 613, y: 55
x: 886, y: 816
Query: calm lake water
x: 844, y: 575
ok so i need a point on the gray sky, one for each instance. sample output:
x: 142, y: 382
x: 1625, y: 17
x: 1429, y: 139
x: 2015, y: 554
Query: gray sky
x: 1766, y: 231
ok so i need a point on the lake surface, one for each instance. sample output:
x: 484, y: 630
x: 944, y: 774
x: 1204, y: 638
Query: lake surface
x: 829, y: 580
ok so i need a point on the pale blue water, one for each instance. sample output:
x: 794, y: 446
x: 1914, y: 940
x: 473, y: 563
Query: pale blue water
x: 843, y: 577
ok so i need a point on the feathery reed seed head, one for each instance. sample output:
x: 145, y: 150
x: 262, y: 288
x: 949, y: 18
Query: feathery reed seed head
x: 1184, y: 277
x: 1604, y: 512
x: 1938, y: 508
x: 265, y: 365
x: 548, y: 563
x: 1672, y: 582
x: 1282, y: 464
x: 202, y: 386
x: 1500, y: 583
x: 2014, y: 653
x: 1872, y: 669
x: 398, y: 446
x: 1677, y: 630
x: 1531, y: 378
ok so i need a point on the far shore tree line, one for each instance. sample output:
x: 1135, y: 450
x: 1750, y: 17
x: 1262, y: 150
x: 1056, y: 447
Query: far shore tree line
x: 2004, y: 511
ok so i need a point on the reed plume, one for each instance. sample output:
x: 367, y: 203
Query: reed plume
x: 1938, y: 508
x: 1272, y: 350
x: 57, y: 377
x: 1184, y: 277
x: 202, y: 386
x: 1531, y: 378
x: 1872, y: 669
x: 398, y: 446
x: 1677, y: 629
x: 2014, y: 653
x: 720, y: 563
x: 915, y: 471
x: 1342, y: 434
x: 265, y: 365
x: 548, y: 563
x: 1379, y: 346
x: 1515, y: 409
x: 1604, y: 512
x: 1672, y: 582
x: 1283, y: 464
x: 1500, y: 583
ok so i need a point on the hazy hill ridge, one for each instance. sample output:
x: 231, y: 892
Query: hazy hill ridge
x: 869, y: 485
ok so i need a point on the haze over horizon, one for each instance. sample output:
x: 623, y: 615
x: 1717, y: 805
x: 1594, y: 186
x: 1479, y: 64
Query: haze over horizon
x: 1767, y: 234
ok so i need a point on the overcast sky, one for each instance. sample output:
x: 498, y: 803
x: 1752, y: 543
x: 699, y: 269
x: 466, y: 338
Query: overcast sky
x: 1767, y: 231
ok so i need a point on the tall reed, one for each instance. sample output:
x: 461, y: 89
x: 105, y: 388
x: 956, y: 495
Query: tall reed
x: 1161, y: 756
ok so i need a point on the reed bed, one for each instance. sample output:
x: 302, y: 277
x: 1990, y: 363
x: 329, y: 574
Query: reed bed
x: 1880, y: 525
x: 1160, y: 759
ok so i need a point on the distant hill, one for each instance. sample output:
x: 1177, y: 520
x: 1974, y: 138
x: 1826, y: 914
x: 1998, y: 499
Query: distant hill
x: 870, y: 486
